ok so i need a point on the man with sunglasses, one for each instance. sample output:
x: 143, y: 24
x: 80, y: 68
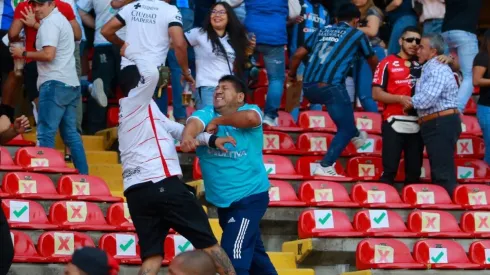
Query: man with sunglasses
x: 394, y: 85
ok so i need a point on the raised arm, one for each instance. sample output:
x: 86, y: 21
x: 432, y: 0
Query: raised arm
x: 109, y: 30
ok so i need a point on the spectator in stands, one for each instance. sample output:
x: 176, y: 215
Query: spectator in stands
x: 333, y: 50
x: 459, y: 32
x: 371, y: 20
x: 436, y: 103
x: 192, y: 263
x: 400, y: 15
x: 91, y: 261
x: 220, y: 50
x: 481, y: 78
x: 267, y: 19
x: 313, y: 17
x: 58, y: 84
x: 394, y: 85
x: 106, y: 60
x: 432, y: 15
x: 6, y: 134
x: 235, y: 179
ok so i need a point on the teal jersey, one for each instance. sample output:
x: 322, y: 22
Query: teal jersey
x: 236, y: 174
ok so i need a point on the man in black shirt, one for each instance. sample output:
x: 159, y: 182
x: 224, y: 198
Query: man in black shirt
x: 481, y: 78
x: 459, y: 28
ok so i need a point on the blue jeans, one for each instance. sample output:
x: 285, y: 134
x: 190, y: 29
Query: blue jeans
x: 204, y: 96
x: 313, y: 107
x: 340, y: 109
x: 433, y: 26
x: 483, y: 115
x: 398, y: 26
x: 364, y: 78
x: 466, y: 45
x: 275, y: 64
x: 57, y: 109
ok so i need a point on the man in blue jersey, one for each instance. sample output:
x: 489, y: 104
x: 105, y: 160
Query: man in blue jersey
x: 332, y: 51
x: 235, y: 179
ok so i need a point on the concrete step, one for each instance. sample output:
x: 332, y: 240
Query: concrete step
x: 283, y: 260
x: 90, y: 143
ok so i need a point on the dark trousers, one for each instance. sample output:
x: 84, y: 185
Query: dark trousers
x: 393, y: 145
x: 7, y: 248
x: 440, y: 136
x: 106, y: 66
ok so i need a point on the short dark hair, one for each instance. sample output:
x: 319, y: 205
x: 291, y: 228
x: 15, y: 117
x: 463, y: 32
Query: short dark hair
x: 411, y: 29
x: 347, y: 12
x: 237, y: 83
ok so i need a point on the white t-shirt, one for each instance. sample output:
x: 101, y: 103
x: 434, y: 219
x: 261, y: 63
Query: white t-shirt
x: 148, y: 21
x: 210, y: 65
x: 56, y: 31
x: 77, y: 17
x: 103, y: 13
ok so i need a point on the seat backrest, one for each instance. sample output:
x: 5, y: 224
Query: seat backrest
x: 27, y: 183
x: 372, y: 193
x: 435, y: 251
x: 367, y: 121
x: 365, y: 168
x: 479, y: 252
x: 275, y: 164
x: 259, y: 96
x: 285, y: 119
x: 73, y: 212
x: 314, y: 142
x: 476, y: 222
x: 381, y: 251
x: 374, y: 220
x: 471, y: 169
x: 316, y: 119
x: 23, y: 244
x: 120, y: 245
x: 118, y: 214
x: 472, y: 195
x: 323, y: 191
x: 196, y: 169
x: 281, y: 191
x: 24, y: 211
x: 324, y: 220
x: 30, y: 157
x: 470, y: 126
x: 424, y: 194
x: 5, y: 157
x: 470, y: 147
x: 429, y: 221
x: 307, y: 165
x: 174, y: 245
x: 424, y: 171
x: 373, y: 145
x: 82, y: 185
x: 55, y: 243
x: 276, y: 141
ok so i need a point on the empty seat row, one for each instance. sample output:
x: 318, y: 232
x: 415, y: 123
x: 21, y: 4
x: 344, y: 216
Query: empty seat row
x: 388, y: 223
x: 379, y: 195
x: 58, y: 246
x: 427, y: 254
x: 35, y: 159
x: 27, y: 185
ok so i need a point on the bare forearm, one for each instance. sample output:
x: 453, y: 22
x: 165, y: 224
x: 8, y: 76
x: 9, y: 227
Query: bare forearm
x: 296, y: 60
x: 241, y: 119
x: 181, y: 54
x: 380, y: 95
x: 42, y: 56
x: 114, y: 39
x: 193, y: 128
x: 87, y: 19
x: 7, y: 136
x: 221, y: 260
x: 482, y: 82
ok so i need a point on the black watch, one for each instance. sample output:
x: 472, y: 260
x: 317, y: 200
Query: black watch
x: 24, y: 54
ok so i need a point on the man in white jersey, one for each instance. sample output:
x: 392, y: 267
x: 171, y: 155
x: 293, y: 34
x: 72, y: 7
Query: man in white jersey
x: 157, y: 198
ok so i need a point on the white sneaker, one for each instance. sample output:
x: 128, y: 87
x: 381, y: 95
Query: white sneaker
x: 97, y: 92
x: 326, y: 171
x: 271, y: 122
x: 360, y: 140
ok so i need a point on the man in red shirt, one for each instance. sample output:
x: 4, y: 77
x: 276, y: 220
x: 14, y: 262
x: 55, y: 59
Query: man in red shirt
x: 394, y: 84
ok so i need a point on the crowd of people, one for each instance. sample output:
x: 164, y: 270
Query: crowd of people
x: 340, y: 50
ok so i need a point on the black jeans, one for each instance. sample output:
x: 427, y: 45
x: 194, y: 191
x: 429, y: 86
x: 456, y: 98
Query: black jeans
x: 440, y: 136
x: 7, y: 248
x: 393, y: 145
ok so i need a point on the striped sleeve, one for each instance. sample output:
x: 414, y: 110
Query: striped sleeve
x: 380, y: 78
x: 310, y: 42
x: 365, y: 45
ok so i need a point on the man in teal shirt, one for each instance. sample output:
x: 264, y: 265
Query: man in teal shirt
x: 235, y: 178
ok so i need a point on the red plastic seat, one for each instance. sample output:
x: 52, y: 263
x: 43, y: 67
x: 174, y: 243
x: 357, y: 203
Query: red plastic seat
x: 26, y: 214
x: 442, y: 254
x: 118, y: 216
x: 424, y: 173
x: 476, y: 223
x: 479, y: 253
x: 369, y: 122
x: 325, y: 223
x: 279, y: 143
x: 123, y: 247
x: 384, y: 254
x: 281, y: 193
x: 325, y: 194
x: 473, y: 196
x: 112, y: 116
x: 57, y: 247
x: 365, y: 168
x: 470, y: 147
x: 280, y: 167
x: 472, y: 171
x: 6, y: 161
x: 87, y: 188
x: 470, y: 108
x: 30, y: 186
x: 196, y: 169
x: 261, y: 80
x: 307, y: 165
x: 428, y: 196
x: 285, y: 123
x: 316, y: 121
x: 174, y: 245
x: 372, y: 148
x: 382, y: 223
x: 470, y: 126
x: 42, y: 159
x: 19, y: 140
x: 435, y: 223
x: 314, y: 143
x: 377, y: 195
x: 78, y: 215
x: 24, y: 249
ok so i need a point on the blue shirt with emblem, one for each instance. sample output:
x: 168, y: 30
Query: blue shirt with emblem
x: 236, y: 174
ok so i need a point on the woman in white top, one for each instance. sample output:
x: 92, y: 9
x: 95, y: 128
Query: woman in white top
x: 219, y: 47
